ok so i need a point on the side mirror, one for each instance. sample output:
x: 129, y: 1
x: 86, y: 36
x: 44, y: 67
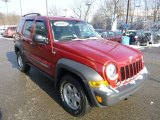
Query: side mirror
x: 40, y: 39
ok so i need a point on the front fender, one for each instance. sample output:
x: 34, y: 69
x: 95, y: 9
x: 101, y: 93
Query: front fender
x: 84, y: 72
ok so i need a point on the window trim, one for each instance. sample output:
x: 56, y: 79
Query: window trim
x: 45, y: 23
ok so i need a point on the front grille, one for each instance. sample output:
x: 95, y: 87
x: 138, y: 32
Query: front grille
x: 130, y: 70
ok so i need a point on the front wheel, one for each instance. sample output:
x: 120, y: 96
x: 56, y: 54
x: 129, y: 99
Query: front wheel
x: 22, y: 65
x: 73, y: 97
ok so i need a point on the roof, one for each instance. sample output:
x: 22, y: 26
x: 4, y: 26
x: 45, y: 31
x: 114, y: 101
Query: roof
x: 52, y: 18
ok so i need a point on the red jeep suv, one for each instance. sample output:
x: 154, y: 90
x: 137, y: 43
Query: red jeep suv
x: 88, y: 70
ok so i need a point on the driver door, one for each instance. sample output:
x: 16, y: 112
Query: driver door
x: 41, y: 50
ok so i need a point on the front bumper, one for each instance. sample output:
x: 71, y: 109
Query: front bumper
x: 111, y: 96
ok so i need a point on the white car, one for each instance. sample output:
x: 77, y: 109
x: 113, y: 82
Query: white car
x: 2, y: 31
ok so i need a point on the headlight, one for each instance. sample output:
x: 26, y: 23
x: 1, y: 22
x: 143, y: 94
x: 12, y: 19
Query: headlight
x: 142, y: 58
x: 111, y: 71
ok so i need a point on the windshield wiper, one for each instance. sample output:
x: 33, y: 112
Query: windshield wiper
x: 91, y: 37
x: 68, y: 38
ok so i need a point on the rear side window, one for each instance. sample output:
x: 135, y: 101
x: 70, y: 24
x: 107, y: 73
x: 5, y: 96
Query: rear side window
x: 28, y: 28
x: 20, y: 26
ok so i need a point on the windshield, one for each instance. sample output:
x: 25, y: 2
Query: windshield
x: 72, y: 29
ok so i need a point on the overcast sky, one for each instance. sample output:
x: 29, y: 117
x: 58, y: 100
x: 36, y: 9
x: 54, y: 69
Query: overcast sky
x: 34, y: 6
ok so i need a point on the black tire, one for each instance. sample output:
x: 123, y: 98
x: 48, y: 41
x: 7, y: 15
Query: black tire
x: 22, y: 65
x: 82, y: 104
x: 152, y: 42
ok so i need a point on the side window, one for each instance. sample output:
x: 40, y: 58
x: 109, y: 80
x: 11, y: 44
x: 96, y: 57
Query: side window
x: 27, y: 28
x: 40, y: 29
x: 104, y: 34
x: 20, y: 26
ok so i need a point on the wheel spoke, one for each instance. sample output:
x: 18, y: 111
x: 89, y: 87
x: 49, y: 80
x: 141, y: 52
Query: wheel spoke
x: 77, y: 98
x: 69, y: 88
x: 76, y: 104
x: 74, y: 90
x: 71, y: 96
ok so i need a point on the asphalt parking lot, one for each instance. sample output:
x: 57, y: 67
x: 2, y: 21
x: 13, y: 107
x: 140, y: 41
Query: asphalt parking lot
x: 32, y: 97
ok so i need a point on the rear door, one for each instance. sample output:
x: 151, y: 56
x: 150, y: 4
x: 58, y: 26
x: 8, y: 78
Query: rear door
x: 27, y: 37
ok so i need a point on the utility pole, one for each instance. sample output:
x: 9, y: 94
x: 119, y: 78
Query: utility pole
x: 65, y: 12
x: 127, y: 14
x: 20, y: 3
x: 6, y: 1
x: 47, y: 7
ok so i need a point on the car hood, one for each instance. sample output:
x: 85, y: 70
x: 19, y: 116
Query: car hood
x: 101, y: 51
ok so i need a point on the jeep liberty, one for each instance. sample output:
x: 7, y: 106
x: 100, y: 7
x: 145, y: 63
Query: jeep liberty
x: 88, y: 70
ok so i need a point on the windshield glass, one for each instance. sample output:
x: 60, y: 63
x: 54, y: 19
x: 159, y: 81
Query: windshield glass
x: 72, y: 29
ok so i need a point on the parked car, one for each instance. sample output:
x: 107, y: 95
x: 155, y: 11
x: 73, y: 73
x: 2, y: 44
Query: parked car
x: 119, y: 32
x: 9, y: 32
x: 153, y: 37
x: 137, y: 37
x: 100, y: 31
x: 87, y: 72
x: 110, y: 35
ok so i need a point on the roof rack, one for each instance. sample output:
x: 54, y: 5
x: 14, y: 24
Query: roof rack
x: 30, y: 14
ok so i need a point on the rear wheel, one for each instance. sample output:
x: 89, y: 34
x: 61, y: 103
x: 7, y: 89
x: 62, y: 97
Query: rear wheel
x: 22, y: 65
x: 73, y: 97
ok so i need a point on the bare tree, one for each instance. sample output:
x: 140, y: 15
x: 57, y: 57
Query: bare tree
x: 156, y: 10
x: 12, y: 19
x: 77, y: 8
x: 82, y: 8
x: 53, y: 11
x: 113, y: 8
x: 2, y: 19
x: 98, y: 21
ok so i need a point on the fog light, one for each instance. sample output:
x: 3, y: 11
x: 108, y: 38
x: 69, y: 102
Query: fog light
x: 98, y: 83
x: 99, y: 99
